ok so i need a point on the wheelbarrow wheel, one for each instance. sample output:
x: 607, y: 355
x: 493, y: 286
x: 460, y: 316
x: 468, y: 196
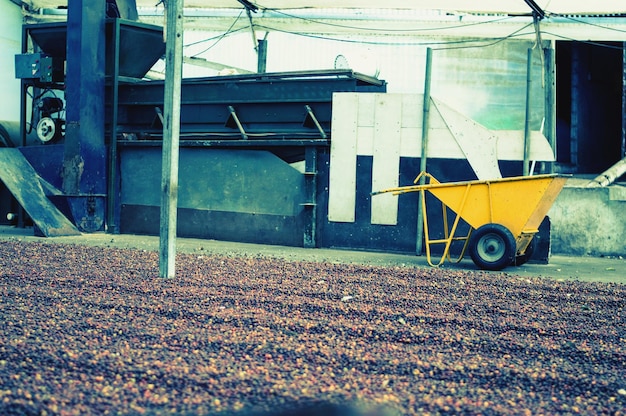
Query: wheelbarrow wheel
x: 492, y: 247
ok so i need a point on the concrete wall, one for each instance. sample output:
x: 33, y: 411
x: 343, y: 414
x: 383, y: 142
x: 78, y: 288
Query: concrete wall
x: 10, y: 45
x: 589, y: 221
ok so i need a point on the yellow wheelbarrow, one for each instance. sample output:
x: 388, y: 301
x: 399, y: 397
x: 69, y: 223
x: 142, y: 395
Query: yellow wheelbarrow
x: 503, y: 214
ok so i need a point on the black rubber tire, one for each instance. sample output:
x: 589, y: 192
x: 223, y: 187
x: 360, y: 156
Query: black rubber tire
x: 523, y: 259
x: 492, y: 247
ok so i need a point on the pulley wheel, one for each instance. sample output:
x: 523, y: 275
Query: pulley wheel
x: 46, y: 129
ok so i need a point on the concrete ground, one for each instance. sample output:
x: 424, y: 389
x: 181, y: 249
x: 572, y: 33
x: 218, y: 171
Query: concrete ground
x: 599, y: 269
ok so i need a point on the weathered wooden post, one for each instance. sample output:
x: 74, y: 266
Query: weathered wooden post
x: 171, y: 132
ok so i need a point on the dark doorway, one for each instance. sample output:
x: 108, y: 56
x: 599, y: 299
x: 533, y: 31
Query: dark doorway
x: 589, y: 105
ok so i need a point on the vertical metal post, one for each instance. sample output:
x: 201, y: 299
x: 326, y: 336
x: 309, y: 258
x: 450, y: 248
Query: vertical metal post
x: 550, y: 100
x: 171, y: 133
x: 113, y: 187
x: 310, y: 203
x: 576, y: 106
x: 84, y: 160
x: 526, y: 168
x: 624, y: 99
x: 423, y: 156
x: 262, y: 56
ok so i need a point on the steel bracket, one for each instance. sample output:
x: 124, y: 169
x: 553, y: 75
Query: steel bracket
x: 311, y: 121
x: 233, y: 121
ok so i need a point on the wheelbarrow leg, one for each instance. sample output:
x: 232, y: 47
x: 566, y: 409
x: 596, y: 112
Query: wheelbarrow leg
x: 528, y: 243
x: 449, y: 233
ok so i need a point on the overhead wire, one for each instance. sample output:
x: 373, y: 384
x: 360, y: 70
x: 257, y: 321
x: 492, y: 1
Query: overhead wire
x: 466, y: 42
x: 564, y: 16
x: 490, y: 41
x: 220, y: 37
x: 387, y: 30
x: 587, y: 42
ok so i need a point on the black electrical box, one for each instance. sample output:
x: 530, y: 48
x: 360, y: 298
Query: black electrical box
x: 39, y: 67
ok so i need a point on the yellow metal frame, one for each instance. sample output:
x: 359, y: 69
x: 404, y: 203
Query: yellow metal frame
x: 517, y: 203
x: 449, y: 233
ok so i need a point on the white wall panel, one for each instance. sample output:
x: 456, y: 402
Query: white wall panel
x: 342, y: 176
x: 386, y: 157
x: 10, y: 45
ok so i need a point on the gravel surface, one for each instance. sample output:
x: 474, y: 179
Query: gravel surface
x: 94, y: 330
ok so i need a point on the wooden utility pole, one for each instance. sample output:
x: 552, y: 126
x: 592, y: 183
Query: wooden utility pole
x: 171, y: 133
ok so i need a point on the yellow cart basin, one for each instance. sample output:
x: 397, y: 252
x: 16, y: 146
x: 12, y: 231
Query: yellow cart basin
x: 519, y: 203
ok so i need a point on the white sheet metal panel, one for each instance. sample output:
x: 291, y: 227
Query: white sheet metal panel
x: 442, y: 143
x: 10, y: 45
x: 511, y: 146
x: 386, y: 156
x: 478, y: 144
x: 343, y: 151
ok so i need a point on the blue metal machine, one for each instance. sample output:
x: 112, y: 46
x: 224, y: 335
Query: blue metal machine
x: 253, y: 147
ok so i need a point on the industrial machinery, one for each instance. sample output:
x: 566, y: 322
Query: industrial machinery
x: 253, y: 147
x: 254, y: 160
x: 132, y: 49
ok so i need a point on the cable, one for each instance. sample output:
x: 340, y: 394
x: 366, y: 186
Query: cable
x: 588, y: 42
x: 589, y: 23
x: 495, y: 42
x: 332, y: 39
x: 222, y: 36
x: 278, y: 11
x: 372, y: 29
x: 491, y: 42
x: 427, y: 43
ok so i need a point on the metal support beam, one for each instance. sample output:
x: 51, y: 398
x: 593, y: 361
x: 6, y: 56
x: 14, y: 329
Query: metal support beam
x: 419, y: 246
x: 310, y: 205
x: 624, y: 99
x: 310, y: 118
x: 550, y: 100
x: 84, y: 162
x: 577, y: 101
x: 171, y: 132
x: 529, y: 65
x: 262, y: 55
x: 536, y: 9
x: 233, y: 118
x: 127, y: 9
x: 113, y: 184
